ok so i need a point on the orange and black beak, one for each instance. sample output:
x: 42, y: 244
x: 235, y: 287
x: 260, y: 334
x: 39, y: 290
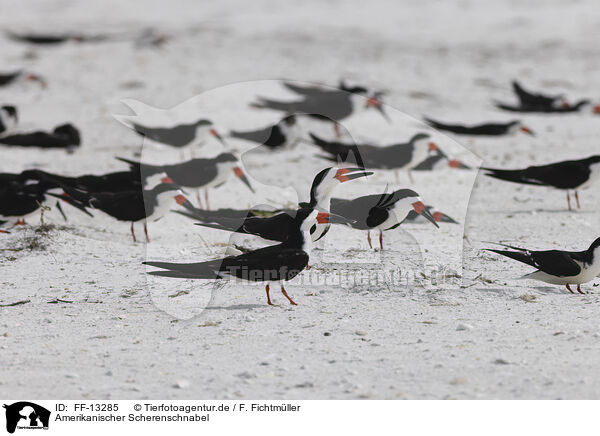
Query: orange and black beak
x: 420, y: 208
x: 240, y: 174
x: 183, y: 201
x: 331, y: 218
x: 455, y: 163
x: 219, y: 137
x: 347, y: 174
x: 377, y: 104
x: 441, y: 217
x: 527, y: 130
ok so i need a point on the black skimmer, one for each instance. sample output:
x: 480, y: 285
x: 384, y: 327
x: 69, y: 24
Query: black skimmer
x: 8, y: 118
x: 276, y: 227
x: 391, y: 157
x: 531, y: 102
x: 283, y: 135
x: 565, y: 108
x: 485, y: 129
x: 330, y: 104
x: 558, y: 267
x: 181, y: 135
x: 132, y: 206
x: 197, y: 173
x: 64, y: 136
x: 276, y: 263
x: 566, y: 175
x: 439, y: 217
x: 8, y: 78
x: 54, y: 39
x: 21, y: 196
x: 380, y: 211
x: 109, y: 182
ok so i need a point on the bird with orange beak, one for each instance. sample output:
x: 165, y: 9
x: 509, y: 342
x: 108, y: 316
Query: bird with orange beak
x: 132, y: 206
x: 400, y: 156
x: 381, y: 211
x: 485, y: 129
x: 197, y: 173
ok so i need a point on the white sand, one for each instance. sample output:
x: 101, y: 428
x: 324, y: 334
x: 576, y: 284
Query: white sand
x: 491, y: 338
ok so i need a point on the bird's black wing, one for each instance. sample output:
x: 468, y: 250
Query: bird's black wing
x: 554, y: 262
x: 510, y: 108
x: 366, y: 211
x: 454, y: 128
x: 35, y: 139
x: 177, y: 136
x: 38, y: 39
x: 8, y: 78
x: 269, y: 263
x: 562, y: 175
x: 530, y: 99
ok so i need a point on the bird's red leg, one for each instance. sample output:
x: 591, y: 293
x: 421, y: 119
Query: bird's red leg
x: 577, y: 198
x: 568, y: 200
x: 569, y: 288
x: 268, y: 297
x: 369, y: 238
x: 336, y: 128
x: 20, y: 222
x: 146, y: 231
x: 133, y: 233
x: 206, y: 198
x: 579, y: 289
x: 287, y: 296
x: 381, y: 239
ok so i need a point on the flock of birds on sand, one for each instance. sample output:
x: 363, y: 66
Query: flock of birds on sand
x: 146, y: 192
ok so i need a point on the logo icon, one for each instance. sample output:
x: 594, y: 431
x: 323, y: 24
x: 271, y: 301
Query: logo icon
x: 26, y: 415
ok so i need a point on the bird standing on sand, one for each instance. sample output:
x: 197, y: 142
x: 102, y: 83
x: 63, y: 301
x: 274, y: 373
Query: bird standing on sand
x: 329, y: 104
x: 21, y: 196
x: 181, y: 135
x: 380, y: 211
x: 197, y: 173
x: 485, y: 129
x: 64, y: 136
x: 281, y: 262
x: 558, y: 267
x: 399, y: 156
x: 567, y: 175
x: 132, y: 206
x: 537, y: 102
